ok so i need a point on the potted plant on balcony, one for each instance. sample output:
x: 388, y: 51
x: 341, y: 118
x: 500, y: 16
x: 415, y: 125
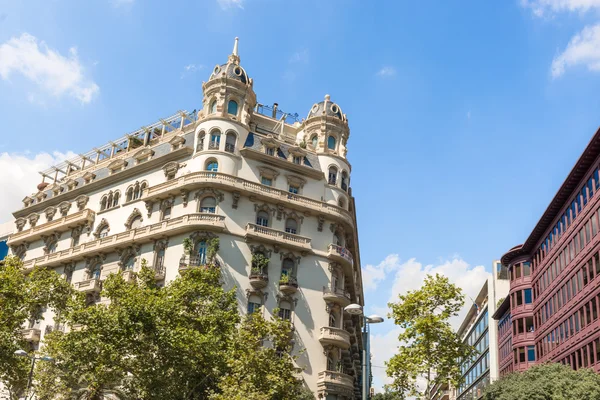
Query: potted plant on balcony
x: 213, y: 248
x: 259, y: 262
x: 134, y: 142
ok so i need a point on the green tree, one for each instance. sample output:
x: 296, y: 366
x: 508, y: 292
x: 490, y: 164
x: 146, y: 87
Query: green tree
x: 181, y: 341
x: 387, y: 395
x: 548, y: 382
x: 23, y: 297
x: 429, y: 347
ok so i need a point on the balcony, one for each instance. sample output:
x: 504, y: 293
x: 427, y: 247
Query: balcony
x: 129, y: 276
x: 259, y: 280
x: 332, y: 383
x: 340, y: 254
x: 140, y: 235
x: 334, y: 336
x: 58, y: 225
x: 187, y: 262
x: 31, y: 335
x: 288, y: 285
x: 275, y: 236
x: 159, y: 272
x: 195, y: 180
x: 229, y: 147
x: 336, y: 296
x: 93, y: 285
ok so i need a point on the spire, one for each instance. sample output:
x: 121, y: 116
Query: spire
x: 234, y: 57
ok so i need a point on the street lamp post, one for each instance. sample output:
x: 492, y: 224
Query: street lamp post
x: 23, y: 353
x: 356, y: 309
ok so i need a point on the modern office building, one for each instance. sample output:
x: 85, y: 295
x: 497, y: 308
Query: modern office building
x: 552, y: 312
x: 479, y: 330
x: 261, y: 180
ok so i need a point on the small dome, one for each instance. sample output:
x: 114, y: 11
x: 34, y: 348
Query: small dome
x: 232, y: 70
x: 42, y: 186
x: 326, y: 107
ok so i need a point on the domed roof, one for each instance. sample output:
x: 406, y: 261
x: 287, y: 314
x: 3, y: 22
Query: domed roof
x: 326, y: 107
x: 232, y: 69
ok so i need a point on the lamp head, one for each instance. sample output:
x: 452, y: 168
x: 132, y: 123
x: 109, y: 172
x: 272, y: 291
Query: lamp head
x: 354, y: 309
x: 375, y: 319
x: 21, y: 353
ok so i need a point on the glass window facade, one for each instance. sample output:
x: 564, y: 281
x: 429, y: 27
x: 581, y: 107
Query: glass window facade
x: 477, y: 372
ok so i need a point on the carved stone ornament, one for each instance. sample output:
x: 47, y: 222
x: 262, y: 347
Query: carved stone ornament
x: 20, y: 224
x: 294, y: 215
x: 50, y: 212
x: 261, y: 249
x: 294, y: 180
x: 117, y: 165
x: 20, y: 250
x: 64, y: 208
x: 286, y: 297
x: 264, y: 207
x: 200, y: 236
x: 259, y: 293
x: 50, y: 240
x: 128, y: 252
x: 280, y: 211
x: 90, y: 262
x: 170, y: 169
x: 88, y: 177
x: 321, y: 220
x: 71, y: 184
x: 236, y: 198
x: 27, y: 201
x: 176, y: 142
x: 103, y: 223
x: 144, y: 153
x: 297, y: 151
x: 134, y: 214
x: 185, y: 195
x: 209, y: 192
x: 81, y: 201
x: 270, y: 141
x: 149, y: 207
x: 76, y: 232
x: 40, y: 196
x: 56, y: 189
x: 160, y: 244
x: 268, y: 172
x: 166, y: 203
x: 33, y: 219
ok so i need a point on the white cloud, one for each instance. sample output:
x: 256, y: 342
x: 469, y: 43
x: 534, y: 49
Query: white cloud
x: 302, y: 56
x: 386, y: 72
x: 20, y: 177
x: 228, y: 4
x: 406, y: 276
x: 52, y: 72
x: 542, y: 8
x: 191, y: 69
x: 583, y: 49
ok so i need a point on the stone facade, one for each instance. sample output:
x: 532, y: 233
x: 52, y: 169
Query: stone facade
x: 259, y: 179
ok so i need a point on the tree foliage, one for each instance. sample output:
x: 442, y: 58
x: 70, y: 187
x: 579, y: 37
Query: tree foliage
x: 387, y: 395
x: 182, y: 341
x: 546, y: 382
x: 429, y: 347
x: 23, y: 297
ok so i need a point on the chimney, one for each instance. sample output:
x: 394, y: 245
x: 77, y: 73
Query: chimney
x: 275, y: 105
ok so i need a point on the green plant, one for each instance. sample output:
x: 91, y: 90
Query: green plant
x: 284, y: 279
x: 135, y: 142
x: 259, y: 262
x: 213, y: 248
x: 188, y: 246
x: 303, y: 143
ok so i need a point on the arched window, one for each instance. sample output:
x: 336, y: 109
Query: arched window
x: 230, y: 142
x: 116, y: 199
x: 143, y: 187
x: 103, y: 232
x: 344, y: 181
x: 200, y: 145
x: 208, y: 205
x: 213, y: 107
x: 232, y: 107
x: 287, y: 267
x: 103, y: 203
x: 213, y: 166
x: 285, y: 310
x: 332, y: 175
x: 314, y: 141
x: 129, y: 194
x: 262, y: 218
x: 201, y: 247
x: 136, y: 222
x: 166, y: 213
x: 136, y: 192
x: 291, y: 225
x: 215, y: 140
x: 95, y: 271
x: 331, y: 143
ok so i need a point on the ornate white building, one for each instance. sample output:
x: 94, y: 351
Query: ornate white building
x: 259, y: 179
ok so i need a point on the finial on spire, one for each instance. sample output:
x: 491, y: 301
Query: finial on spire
x: 235, y: 47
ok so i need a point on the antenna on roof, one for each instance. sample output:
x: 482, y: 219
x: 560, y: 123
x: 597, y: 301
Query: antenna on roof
x: 235, y: 47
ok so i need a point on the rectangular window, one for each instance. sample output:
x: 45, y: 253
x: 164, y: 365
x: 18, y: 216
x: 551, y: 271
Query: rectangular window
x: 530, y: 353
x: 517, y: 271
x: 253, y: 307
x: 270, y: 151
x: 521, y: 354
x: 519, y: 296
x: 528, y: 299
x: 266, y: 181
x: 294, y: 189
x: 526, y: 269
x: 297, y: 160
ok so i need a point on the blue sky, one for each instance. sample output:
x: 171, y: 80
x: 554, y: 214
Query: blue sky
x: 465, y: 117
